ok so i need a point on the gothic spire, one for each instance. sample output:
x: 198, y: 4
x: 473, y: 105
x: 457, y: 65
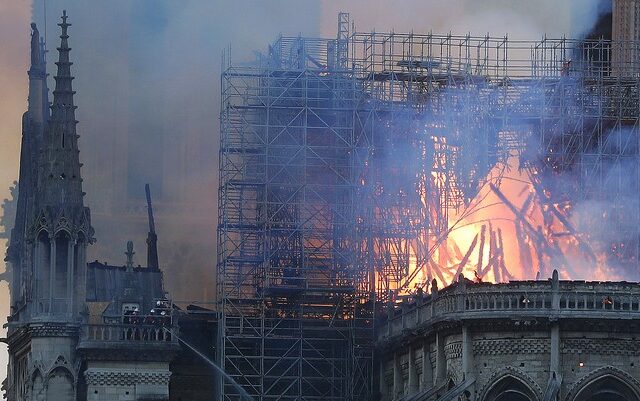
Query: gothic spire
x: 63, y: 94
x: 61, y: 181
x: 152, y: 238
x: 33, y: 125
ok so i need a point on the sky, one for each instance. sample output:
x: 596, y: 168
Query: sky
x: 152, y: 67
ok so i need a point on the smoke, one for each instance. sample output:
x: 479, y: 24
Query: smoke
x: 148, y: 95
x: 147, y: 81
x: 520, y: 19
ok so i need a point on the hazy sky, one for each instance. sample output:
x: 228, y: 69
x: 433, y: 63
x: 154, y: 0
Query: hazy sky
x: 177, y: 46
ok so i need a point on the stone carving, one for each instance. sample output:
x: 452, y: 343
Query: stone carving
x: 95, y: 377
x: 601, y: 346
x: 511, y: 346
x: 453, y: 350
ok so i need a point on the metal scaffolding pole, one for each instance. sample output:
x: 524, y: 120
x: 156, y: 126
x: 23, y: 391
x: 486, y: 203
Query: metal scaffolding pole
x: 342, y: 161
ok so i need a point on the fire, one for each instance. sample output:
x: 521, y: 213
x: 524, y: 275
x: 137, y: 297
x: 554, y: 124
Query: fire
x: 511, y: 230
x: 439, y: 213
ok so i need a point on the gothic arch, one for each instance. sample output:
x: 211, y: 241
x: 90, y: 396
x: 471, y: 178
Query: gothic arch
x: 609, y: 381
x: 60, y: 384
x: 60, y: 363
x: 43, y: 232
x: 42, y: 260
x: 510, y: 381
x: 63, y: 254
x: 42, y: 222
x: 63, y: 223
x: 36, y: 388
x: 63, y: 230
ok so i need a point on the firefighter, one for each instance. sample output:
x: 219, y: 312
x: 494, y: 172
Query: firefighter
x: 126, y: 319
x: 135, y: 316
x: 163, y: 312
x: 151, y: 317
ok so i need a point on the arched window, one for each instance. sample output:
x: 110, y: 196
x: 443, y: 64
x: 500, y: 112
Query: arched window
x: 37, y: 386
x: 43, y: 270
x: 62, y: 264
x: 510, y: 388
x: 607, y: 388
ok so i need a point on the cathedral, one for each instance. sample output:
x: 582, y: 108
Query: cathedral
x: 297, y: 319
x: 76, y: 330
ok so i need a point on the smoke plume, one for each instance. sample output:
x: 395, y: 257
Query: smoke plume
x: 148, y: 95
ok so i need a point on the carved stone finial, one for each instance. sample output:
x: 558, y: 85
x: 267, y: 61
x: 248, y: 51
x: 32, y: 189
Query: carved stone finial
x: 130, y: 254
x: 462, y: 283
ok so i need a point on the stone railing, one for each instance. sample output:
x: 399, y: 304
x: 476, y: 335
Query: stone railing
x: 125, y: 332
x: 551, y: 299
x: 135, y: 333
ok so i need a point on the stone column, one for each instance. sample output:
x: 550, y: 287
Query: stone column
x: 398, y: 385
x: 441, y: 360
x: 52, y: 272
x: 414, y: 385
x: 555, y: 291
x: 467, y: 352
x: 37, y: 278
x: 383, y: 382
x: 80, y: 277
x: 70, y: 283
x: 555, y: 349
x: 555, y: 325
x: 427, y: 370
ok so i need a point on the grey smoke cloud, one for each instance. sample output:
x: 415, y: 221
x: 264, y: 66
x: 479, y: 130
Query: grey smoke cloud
x: 520, y: 19
x: 147, y: 81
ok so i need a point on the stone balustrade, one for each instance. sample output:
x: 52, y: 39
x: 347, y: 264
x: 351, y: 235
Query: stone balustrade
x: 552, y: 299
x: 126, y: 333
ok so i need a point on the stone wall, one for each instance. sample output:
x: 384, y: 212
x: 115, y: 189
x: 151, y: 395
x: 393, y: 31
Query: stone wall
x: 127, y: 381
x: 544, y: 339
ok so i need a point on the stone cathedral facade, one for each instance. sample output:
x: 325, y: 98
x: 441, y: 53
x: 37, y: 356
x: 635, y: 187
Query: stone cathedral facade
x: 76, y: 331
x: 91, y: 331
x: 50, y: 238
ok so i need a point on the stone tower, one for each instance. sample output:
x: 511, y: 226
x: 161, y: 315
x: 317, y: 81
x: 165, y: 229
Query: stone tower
x: 49, y: 241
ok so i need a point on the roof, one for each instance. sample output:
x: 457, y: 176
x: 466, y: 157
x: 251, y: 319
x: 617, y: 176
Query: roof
x: 114, y: 284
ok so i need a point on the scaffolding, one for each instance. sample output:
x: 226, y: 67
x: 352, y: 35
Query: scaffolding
x: 341, y: 160
x: 443, y: 111
x: 295, y: 326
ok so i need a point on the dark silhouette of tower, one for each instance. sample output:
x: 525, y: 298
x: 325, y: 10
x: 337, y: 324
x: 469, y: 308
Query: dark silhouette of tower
x: 49, y: 241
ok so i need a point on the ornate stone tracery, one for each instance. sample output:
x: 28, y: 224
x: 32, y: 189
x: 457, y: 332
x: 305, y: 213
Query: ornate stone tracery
x: 105, y: 377
x: 601, y: 373
x: 510, y: 372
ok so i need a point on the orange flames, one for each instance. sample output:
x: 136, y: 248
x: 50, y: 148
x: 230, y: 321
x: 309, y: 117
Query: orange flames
x: 511, y: 230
